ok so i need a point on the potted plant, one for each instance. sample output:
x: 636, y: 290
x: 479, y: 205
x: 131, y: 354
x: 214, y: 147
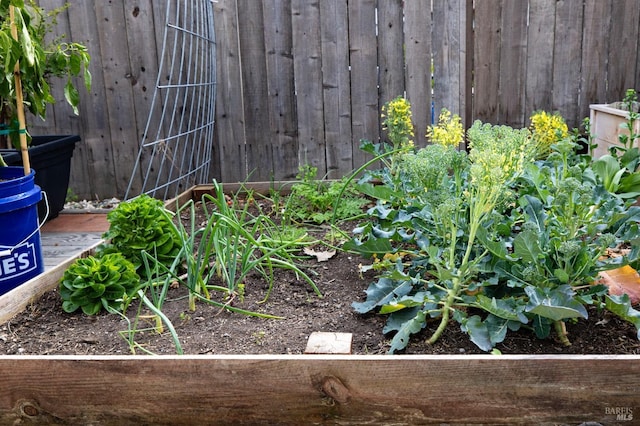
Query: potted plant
x: 29, y: 60
x: 616, y: 124
x: 28, y: 50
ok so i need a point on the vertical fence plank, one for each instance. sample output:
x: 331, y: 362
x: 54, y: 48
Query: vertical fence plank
x: 486, y: 83
x: 230, y: 139
x: 95, y: 151
x: 595, y: 43
x: 513, y: 62
x: 364, y: 75
x: 417, y: 43
x: 336, y: 87
x: 120, y: 105
x: 254, y: 83
x: 623, y: 48
x: 448, y: 65
x: 278, y: 40
x: 567, y: 52
x: 143, y: 59
x: 390, y: 58
x: 540, y: 60
x: 308, y: 70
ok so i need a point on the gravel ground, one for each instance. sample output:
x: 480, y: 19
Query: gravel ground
x: 89, y: 206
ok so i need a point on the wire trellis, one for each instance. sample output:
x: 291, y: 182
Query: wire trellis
x: 176, y: 148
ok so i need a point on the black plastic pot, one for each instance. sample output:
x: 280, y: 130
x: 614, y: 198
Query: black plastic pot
x: 50, y: 157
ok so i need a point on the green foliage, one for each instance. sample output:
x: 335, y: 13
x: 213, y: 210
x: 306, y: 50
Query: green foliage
x: 241, y: 243
x: 619, y: 170
x: 494, y: 240
x: 143, y: 225
x: 313, y: 200
x: 39, y: 60
x: 92, y: 283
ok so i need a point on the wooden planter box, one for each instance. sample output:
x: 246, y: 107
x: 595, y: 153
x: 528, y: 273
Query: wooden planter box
x: 311, y: 389
x: 605, y: 126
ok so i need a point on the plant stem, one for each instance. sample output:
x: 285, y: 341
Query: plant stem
x: 561, y: 330
x: 476, y: 214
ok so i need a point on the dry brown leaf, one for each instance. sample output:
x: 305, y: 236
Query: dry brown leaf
x: 321, y: 256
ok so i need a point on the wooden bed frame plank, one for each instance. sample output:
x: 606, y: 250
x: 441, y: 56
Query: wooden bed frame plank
x: 312, y: 389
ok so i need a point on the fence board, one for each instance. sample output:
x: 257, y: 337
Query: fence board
x: 254, y: 83
x: 513, y: 63
x: 487, y: 36
x: 364, y: 75
x: 539, y: 71
x: 308, y: 69
x: 417, y: 43
x: 448, y: 64
x: 567, y: 54
x: 281, y: 87
x: 230, y: 154
x: 303, y: 81
x: 594, y: 53
x: 119, y: 103
x: 390, y: 58
x: 623, y: 48
x: 336, y: 87
x: 143, y: 60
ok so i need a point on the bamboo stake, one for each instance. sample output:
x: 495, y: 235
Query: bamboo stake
x: 20, y: 101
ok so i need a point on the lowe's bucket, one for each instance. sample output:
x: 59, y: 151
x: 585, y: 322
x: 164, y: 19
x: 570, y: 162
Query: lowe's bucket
x: 20, y: 250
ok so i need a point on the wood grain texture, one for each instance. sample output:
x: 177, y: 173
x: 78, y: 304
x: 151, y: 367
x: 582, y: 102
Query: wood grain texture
x: 365, y: 107
x: 567, y: 52
x: 289, y: 94
x: 230, y: 155
x: 513, y: 53
x: 281, y: 87
x: 323, y: 389
x: 540, y: 59
x: 419, y: 51
x: 336, y: 84
x: 251, y: 29
x: 487, y: 48
x: 307, y: 62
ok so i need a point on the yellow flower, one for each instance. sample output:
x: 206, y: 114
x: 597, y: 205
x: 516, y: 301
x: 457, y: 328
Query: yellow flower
x: 546, y: 130
x: 396, y: 115
x: 449, y: 131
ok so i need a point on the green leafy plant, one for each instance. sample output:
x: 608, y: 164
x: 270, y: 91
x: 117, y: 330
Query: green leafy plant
x: 240, y: 243
x: 491, y: 239
x: 39, y: 59
x: 143, y: 224
x: 109, y: 281
x: 313, y: 200
x: 561, y: 229
x: 618, y: 170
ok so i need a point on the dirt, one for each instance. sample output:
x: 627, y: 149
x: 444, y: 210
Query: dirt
x: 45, y: 329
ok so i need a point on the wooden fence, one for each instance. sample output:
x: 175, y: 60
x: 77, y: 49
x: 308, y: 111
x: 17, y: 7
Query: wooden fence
x: 302, y: 81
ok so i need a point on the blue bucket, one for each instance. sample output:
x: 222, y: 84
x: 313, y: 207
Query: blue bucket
x: 20, y: 249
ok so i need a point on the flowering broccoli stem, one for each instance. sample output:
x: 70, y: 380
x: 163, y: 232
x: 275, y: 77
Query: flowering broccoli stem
x: 561, y: 330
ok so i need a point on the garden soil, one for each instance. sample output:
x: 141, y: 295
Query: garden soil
x: 45, y: 329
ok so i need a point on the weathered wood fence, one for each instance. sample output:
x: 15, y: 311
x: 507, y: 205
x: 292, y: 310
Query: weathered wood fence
x: 302, y: 81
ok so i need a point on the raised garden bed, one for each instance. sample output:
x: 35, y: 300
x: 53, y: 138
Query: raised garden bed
x: 294, y: 388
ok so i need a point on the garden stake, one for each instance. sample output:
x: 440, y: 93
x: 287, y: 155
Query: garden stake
x: 19, y: 101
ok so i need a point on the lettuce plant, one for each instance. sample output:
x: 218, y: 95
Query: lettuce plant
x: 92, y: 283
x: 143, y: 224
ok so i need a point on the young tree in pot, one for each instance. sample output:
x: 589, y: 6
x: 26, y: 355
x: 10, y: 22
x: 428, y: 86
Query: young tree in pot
x: 28, y: 61
x: 26, y: 48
